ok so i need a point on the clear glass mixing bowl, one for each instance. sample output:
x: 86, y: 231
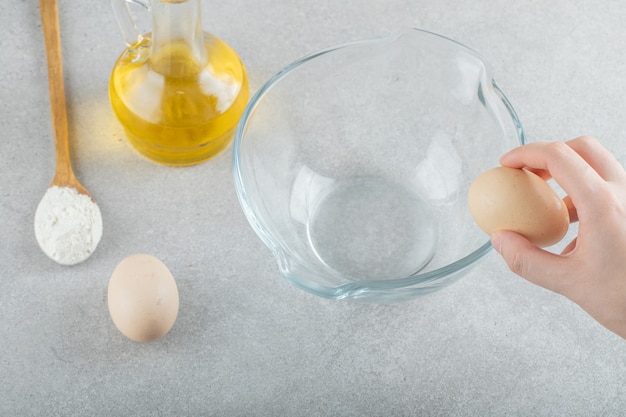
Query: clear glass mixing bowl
x: 353, y: 164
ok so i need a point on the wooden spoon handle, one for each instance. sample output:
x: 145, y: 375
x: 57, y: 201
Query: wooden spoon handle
x: 52, y: 36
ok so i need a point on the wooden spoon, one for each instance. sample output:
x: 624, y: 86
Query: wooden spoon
x: 64, y: 175
x: 68, y: 223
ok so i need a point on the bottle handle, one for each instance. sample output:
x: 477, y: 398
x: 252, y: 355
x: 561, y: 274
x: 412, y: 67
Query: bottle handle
x: 126, y: 20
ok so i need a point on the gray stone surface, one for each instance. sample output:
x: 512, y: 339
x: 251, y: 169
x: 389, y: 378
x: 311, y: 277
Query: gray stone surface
x: 246, y: 342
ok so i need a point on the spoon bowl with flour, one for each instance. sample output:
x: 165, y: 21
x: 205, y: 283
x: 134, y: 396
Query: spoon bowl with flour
x: 68, y: 222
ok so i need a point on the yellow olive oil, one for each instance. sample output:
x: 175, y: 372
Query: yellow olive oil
x: 174, y: 108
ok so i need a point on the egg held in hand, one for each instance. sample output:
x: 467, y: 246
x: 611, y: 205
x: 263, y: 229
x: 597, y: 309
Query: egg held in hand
x: 518, y: 200
x: 143, y: 298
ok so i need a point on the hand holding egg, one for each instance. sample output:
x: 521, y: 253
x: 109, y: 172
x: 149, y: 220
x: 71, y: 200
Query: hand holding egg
x: 591, y: 270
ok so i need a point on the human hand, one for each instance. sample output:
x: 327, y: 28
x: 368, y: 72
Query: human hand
x: 591, y: 270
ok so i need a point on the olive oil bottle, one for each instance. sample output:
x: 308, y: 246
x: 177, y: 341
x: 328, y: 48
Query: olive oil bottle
x: 178, y: 91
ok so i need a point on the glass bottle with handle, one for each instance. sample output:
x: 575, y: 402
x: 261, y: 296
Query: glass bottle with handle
x: 178, y: 91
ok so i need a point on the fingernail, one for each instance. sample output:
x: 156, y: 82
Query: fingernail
x: 496, y: 241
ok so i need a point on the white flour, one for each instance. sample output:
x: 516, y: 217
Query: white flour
x: 68, y: 225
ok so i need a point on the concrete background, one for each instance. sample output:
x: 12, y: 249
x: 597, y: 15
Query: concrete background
x: 246, y: 342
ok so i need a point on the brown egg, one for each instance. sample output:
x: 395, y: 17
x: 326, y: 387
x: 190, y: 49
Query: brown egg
x: 143, y: 298
x: 518, y: 200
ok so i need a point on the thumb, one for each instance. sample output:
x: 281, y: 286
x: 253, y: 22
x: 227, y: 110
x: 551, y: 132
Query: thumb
x: 527, y: 259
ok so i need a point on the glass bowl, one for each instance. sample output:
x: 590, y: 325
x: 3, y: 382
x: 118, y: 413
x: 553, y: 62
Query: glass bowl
x: 353, y: 164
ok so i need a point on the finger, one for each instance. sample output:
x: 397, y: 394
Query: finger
x: 570, y: 247
x: 571, y: 209
x: 598, y: 157
x: 541, y: 173
x: 577, y: 178
x: 528, y: 260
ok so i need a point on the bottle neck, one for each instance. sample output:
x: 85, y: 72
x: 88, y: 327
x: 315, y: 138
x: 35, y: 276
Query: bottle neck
x: 178, y: 22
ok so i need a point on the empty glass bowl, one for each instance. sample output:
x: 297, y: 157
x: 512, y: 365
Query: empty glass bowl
x: 353, y: 164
